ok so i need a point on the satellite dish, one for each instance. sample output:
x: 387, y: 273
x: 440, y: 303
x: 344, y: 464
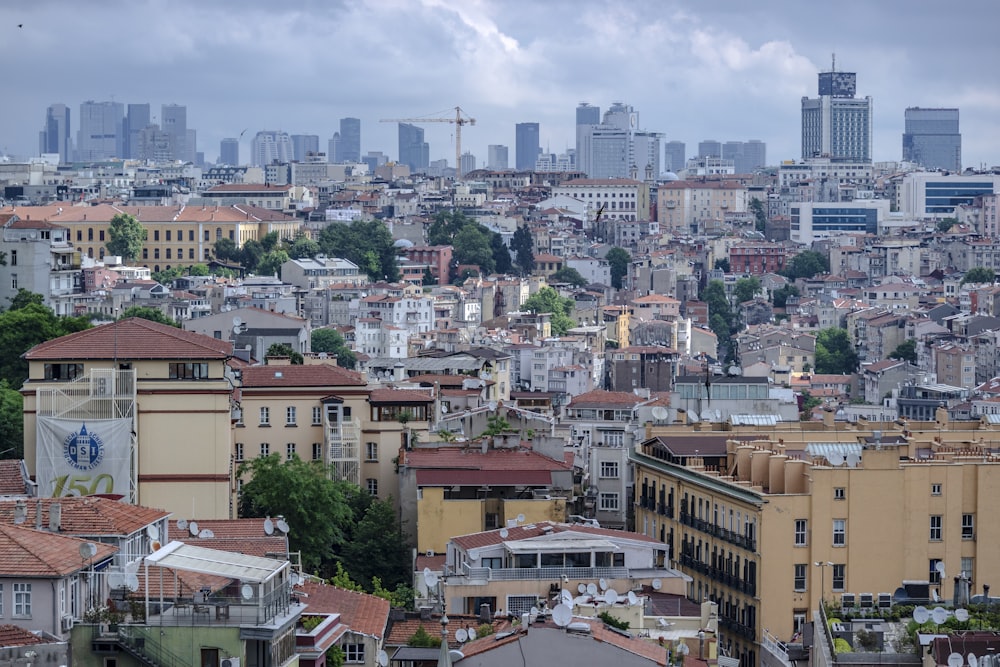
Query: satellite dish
x: 939, y: 566
x: 610, y: 596
x: 205, y: 533
x: 504, y: 533
x: 282, y: 525
x: 268, y: 526
x: 683, y: 649
x: 632, y: 599
x: 461, y: 635
x: 493, y: 406
x: 562, y: 615
x: 660, y: 413
x: 657, y: 584
x: 591, y: 589
x: 472, y: 634
x: 444, y: 409
x: 835, y: 459
x: 853, y: 460
x: 193, y: 528
x: 921, y: 615
x: 182, y: 524
x: 582, y: 588
x: 582, y: 600
x: 693, y: 416
x: 116, y: 580
x: 939, y: 615
x: 132, y: 582
x: 603, y: 583
x: 961, y: 615
x: 520, y: 518
x: 973, y: 660
x: 566, y: 597
x: 430, y: 578
x: 955, y: 660
x: 237, y: 321
x: 383, y: 658
x: 246, y: 591
x: 152, y: 531
x: 88, y: 550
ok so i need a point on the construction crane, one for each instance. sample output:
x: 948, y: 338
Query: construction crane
x: 459, y: 120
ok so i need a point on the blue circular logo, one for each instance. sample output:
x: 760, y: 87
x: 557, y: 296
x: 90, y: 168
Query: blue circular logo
x: 83, y: 450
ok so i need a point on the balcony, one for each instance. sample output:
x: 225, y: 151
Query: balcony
x: 343, y: 446
x: 485, y: 574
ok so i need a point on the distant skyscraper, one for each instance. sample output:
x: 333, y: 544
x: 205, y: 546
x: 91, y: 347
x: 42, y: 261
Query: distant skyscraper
x: 496, y: 157
x: 101, y: 133
x: 303, y: 144
x: 229, y: 151
x: 333, y: 148
x: 586, y: 117
x: 709, y: 148
x: 173, y: 121
x: 55, y: 135
x: 931, y: 138
x: 616, y: 148
x: 754, y: 155
x: 837, y: 124
x: 526, y: 146
x: 270, y: 146
x: 468, y: 162
x: 350, y: 140
x: 676, y: 154
x: 136, y: 120
x: 413, y: 150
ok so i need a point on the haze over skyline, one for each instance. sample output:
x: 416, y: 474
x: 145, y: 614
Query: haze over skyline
x: 693, y: 71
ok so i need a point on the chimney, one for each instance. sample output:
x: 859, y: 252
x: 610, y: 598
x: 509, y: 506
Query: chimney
x: 485, y: 615
x: 38, y: 516
x: 55, y: 517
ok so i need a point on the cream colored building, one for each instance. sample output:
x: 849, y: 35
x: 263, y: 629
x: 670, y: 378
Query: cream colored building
x: 688, y: 206
x: 156, y: 403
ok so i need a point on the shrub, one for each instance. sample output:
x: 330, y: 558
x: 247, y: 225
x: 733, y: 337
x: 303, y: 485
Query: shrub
x: 484, y: 630
x: 612, y: 621
x: 840, y: 645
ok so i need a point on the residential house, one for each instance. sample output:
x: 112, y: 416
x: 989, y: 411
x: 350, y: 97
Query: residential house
x: 256, y: 329
x: 40, y: 259
x: 648, y: 367
x: 364, y: 618
x: 882, y: 377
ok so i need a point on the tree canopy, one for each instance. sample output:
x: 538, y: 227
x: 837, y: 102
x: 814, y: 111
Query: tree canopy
x: 522, y: 245
x: 806, y: 264
x: 568, y: 275
x: 547, y: 300
x: 759, y: 214
x: 25, y: 326
x: 780, y: 295
x: 618, y: 262
x: 285, y: 350
x: 125, y: 237
x: 746, y: 288
x: 835, y: 354
x: 979, y: 274
x: 907, y: 351
x: 472, y: 243
x: 147, y: 313
x: 367, y: 243
x: 331, y: 342
x: 11, y: 422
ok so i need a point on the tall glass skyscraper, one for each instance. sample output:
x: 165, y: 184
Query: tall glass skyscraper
x: 837, y: 124
x: 136, y: 120
x: 102, y: 131
x: 413, y: 150
x: 526, y: 146
x: 931, y: 138
x: 586, y: 117
x: 229, y: 151
x: 350, y: 140
x: 55, y: 135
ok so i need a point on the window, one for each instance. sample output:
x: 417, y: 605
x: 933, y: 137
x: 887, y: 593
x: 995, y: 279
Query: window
x: 190, y: 235
x: 265, y: 416
x: 317, y: 451
x: 354, y: 652
x: 1, y: 599
x: 290, y: 415
x: 13, y: 281
x: 609, y: 502
x: 317, y: 416
x: 936, y: 522
x: 933, y: 574
x: 168, y: 235
x: 239, y: 451
x: 63, y: 371
x: 22, y: 600
x: 265, y: 449
x: 801, y: 532
x: 290, y: 451
x: 182, y: 371
x: 800, y: 576
x: 372, y: 485
x: 371, y: 451
x: 839, y: 493
x: 13, y: 258
x: 935, y: 489
x: 156, y: 235
x: 520, y: 604
x: 966, y: 564
x: 839, y: 576
x: 968, y: 527
x: 609, y: 469
x: 839, y: 532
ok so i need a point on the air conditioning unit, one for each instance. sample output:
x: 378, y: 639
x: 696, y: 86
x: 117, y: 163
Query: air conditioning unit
x: 67, y: 623
x: 847, y: 601
x: 230, y: 662
x: 867, y: 600
x: 884, y: 600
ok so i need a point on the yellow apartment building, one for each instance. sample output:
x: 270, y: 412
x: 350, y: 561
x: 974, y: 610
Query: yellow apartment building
x: 769, y: 520
x: 686, y: 206
x: 134, y: 409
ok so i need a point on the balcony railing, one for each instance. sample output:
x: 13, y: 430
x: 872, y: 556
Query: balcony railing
x: 543, y: 573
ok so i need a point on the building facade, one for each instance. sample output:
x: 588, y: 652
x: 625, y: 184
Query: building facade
x: 932, y: 139
x: 837, y: 124
x: 527, y: 145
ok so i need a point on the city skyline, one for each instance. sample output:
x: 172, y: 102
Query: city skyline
x: 694, y: 71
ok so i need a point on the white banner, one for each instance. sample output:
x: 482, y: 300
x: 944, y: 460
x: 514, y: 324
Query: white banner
x: 82, y: 458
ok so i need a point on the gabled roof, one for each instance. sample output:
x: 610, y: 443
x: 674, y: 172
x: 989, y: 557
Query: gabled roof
x: 12, y: 635
x: 26, y: 552
x: 308, y: 375
x: 241, y: 536
x: 400, y: 396
x: 134, y: 338
x: 448, y: 466
x: 12, y: 481
x: 599, y: 398
x: 365, y: 614
x: 90, y: 515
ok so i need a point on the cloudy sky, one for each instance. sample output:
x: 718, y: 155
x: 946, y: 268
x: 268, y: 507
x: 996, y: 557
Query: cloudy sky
x: 724, y: 69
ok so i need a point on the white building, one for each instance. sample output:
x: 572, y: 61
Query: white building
x: 271, y: 146
x: 40, y: 259
x: 321, y: 272
x: 934, y: 195
x: 615, y: 198
x: 816, y: 220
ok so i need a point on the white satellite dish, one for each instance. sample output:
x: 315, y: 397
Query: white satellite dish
x: 591, y: 589
x: 955, y: 660
x: 182, y: 524
x: 657, y: 584
x: 939, y: 566
x: 430, y: 578
x: 205, y: 533
x: 973, y: 660
x: 693, y: 417
x: 461, y: 635
x: 193, y: 528
x: 282, y: 525
x: 683, y: 649
x: 603, y: 583
x: 633, y: 599
x: 493, y: 406
x: 116, y: 580
x: 504, y: 533
x: 383, y: 659
x: 566, y: 597
x: 581, y: 600
x: 237, y: 321
x: 660, y: 413
x: 921, y: 615
x: 961, y: 615
x: 132, y: 582
x: 610, y: 596
x: 88, y: 550
x: 562, y: 615
x: 246, y: 590
x: 444, y: 409
x: 939, y: 615
x: 268, y: 526
x: 533, y: 614
x: 472, y: 634
x: 152, y: 531
x: 520, y: 518
x: 581, y: 589
x: 835, y: 459
x: 853, y: 460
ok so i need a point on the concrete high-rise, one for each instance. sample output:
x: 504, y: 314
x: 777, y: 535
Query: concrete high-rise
x: 229, y: 151
x: 136, y: 120
x: 413, y: 150
x: 616, y: 148
x: 55, y: 135
x: 173, y: 121
x: 270, y: 146
x: 931, y: 138
x: 710, y: 148
x: 350, y: 140
x: 496, y: 157
x: 101, y: 133
x: 587, y: 116
x: 303, y: 144
x: 754, y: 155
x: 468, y: 162
x: 676, y: 155
x: 837, y: 124
x: 527, y: 145
x: 333, y: 148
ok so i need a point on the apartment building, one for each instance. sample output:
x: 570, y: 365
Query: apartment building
x: 40, y: 259
x: 685, y: 207
x: 614, y: 198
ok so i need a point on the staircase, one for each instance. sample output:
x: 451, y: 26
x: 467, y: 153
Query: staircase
x: 137, y: 641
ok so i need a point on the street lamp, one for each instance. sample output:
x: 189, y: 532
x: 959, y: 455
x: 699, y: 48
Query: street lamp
x: 822, y: 577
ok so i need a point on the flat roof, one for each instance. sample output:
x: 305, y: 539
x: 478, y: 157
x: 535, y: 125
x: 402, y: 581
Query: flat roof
x: 190, y: 558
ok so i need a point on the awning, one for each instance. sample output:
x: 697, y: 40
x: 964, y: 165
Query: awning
x: 557, y: 546
x: 189, y: 558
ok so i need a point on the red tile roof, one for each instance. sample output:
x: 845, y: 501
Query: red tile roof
x: 363, y: 613
x: 599, y: 398
x: 400, y: 396
x: 241, y: 536
x: 12, y: 482
x: 26, y: 552
x: 134, y: 338
x: 491, y: 538
x: 12, y: 635
x: 309, y: 375
x: 87, y: 515
x: 472, y: 458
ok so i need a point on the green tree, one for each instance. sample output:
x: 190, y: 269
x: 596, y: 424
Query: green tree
x: 167, y: 276
x: 285, y: 350
x: 501, y: 255
x: 722, y: 265
x: 568, y: 275
x: 472, y: 245
x: 547, y: 300
x: 198, y: 270
x: 353, y: 241
x: 302, y: 492
x: 250, y: 255
x: 147, y: 313
x: 618, y: 261
x: 270, y: 241
x: 11, y: 421
x: 25, y: 298
x: 907, y: 351
x: 834, y: 353
x: 746, y: 288
x: 944, y: 225
x: 720, y: 315
x: 780, y: 295
x: 23, y: 328
x: 271, y: 261
x: 522, y: 244
x: 331, y: 342
x: 422, y: 639
x: 303, y: 248
x: 125, y: 237
x: 806, y: 264
x: 759, y: 214
x: 428, y: 278
x: 226, y: 251
x: 446, y: 226
x: 496, y: 425
x: 378, y: 532
x: 979, y: 274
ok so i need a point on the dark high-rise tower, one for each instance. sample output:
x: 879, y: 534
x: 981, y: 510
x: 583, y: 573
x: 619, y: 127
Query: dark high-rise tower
x: 101, y: 132
x: 229, y: 152
x: 413, y: 150
x: 55, y: 136
x: 350, y: 140
x: 136, y: 120
x: 526, y: 146
x: 931, y: 138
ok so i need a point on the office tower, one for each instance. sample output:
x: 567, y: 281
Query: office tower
x: 55, y: 135
x: 616, y: 148
x: 676, y: 155
x: 302, y: 144
x: 931, y: 138
x: 837, y: 124
x: 173, y: 121
x: 374, y: 160
x: 586, y: 117
x: 350, y: 140
x: 496, y: 157
x: 413, y: 150
x: 526, y: 146
x: 154, y: 144
x: 754, y: 155
x: 229, y: 152
x: 136, y: 120
x: 191, y: 145
x: 333, y: 149
x: 100, y: 136
x: 468, y: 162
x: 269, y: 146
x: 709, y: 148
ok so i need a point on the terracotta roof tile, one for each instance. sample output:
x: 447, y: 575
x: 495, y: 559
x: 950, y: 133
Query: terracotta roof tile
x: 400, y: 396
x: 363, y: 613
x: 87, y: 515
x: 27, y: 552
x: 12, y: 481
x: 599, y: 398
x: 472, y: 458
x: 12, y: 635
x: 134, y: 338
x: 309, y: 375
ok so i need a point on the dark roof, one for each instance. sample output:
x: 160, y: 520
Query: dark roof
x: 134, y: 338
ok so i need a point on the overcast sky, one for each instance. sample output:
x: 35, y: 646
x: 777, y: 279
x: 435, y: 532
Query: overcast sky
x: 726, y: 69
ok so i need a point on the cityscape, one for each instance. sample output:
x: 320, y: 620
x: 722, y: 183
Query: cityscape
x: 674, y: 328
